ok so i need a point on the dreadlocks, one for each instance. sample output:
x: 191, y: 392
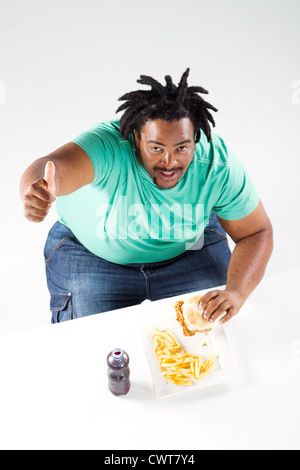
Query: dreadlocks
x: 169, y: 102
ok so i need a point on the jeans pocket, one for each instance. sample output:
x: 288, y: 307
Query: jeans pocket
x: 49, y: 247
x: 215, y: 232
x: 61, y: 307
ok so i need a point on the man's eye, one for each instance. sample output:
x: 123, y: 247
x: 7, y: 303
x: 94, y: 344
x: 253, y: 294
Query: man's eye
x: 156, y: 149
x: 181, y: 149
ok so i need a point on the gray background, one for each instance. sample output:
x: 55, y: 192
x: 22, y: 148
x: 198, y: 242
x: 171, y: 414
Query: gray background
x: 63, y: 65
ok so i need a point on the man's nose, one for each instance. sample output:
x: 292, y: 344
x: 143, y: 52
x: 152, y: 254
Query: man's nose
x: 169, y: 161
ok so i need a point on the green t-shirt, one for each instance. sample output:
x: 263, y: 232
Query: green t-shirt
x: 123, y: 217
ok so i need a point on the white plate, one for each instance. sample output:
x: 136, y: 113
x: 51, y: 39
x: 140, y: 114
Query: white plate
x: 226, y: 369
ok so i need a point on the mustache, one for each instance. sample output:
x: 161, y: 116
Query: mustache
x: 164, y: 169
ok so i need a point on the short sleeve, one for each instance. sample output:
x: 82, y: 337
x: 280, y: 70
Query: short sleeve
x: 238, y: 196
x: 99, y: 144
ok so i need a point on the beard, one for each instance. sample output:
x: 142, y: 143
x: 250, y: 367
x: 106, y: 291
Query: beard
x: 162, y: 187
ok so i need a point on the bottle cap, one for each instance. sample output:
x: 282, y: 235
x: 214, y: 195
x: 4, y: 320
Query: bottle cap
x: 117, y: 353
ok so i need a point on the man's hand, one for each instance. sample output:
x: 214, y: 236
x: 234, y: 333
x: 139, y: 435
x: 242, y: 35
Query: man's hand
x: 40, y: 195
x: 221, y: 301
x: 253, y: 236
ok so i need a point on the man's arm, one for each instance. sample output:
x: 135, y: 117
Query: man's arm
x: 253, y: 236
x: 41, y: 183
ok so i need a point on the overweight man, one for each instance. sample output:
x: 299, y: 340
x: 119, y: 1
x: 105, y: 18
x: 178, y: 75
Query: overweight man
x: 145, y: 204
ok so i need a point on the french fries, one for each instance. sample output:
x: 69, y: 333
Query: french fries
x: 177, y: 365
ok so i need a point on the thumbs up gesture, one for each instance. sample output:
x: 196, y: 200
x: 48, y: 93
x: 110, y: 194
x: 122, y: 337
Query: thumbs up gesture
x: 49, y: 178
x: 40, y: 195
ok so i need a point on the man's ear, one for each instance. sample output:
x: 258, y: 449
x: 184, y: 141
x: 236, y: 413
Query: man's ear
x: 136, y: 138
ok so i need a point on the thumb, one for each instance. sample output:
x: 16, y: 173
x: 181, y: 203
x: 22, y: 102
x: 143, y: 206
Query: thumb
x: 49, y: 177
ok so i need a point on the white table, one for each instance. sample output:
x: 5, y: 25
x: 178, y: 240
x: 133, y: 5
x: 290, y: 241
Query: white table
x: 54, y: 393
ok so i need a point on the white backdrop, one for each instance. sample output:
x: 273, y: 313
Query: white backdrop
x: 65, y: 63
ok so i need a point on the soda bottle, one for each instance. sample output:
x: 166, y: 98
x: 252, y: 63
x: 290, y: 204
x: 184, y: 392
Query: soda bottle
x: 118, y: 372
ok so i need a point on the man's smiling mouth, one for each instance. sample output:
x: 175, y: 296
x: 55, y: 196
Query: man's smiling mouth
x: 167, y: 175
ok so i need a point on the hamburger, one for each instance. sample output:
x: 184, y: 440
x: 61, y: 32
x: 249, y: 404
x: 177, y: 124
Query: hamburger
x: 190, y: 316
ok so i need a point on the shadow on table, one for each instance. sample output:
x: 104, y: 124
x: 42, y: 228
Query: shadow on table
x: 139, y: 391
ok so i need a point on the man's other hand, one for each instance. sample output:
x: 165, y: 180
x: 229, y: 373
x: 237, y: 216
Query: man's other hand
x: 40, y: 195
x: 220, y: 302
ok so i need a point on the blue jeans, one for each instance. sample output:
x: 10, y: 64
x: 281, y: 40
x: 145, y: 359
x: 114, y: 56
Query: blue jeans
x: 81, y: 283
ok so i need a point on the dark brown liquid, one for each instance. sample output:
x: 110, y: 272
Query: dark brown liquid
x: 119, y: 389
x: 118, y: 372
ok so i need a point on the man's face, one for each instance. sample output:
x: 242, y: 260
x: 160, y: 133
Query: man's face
x: 166, y: 150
